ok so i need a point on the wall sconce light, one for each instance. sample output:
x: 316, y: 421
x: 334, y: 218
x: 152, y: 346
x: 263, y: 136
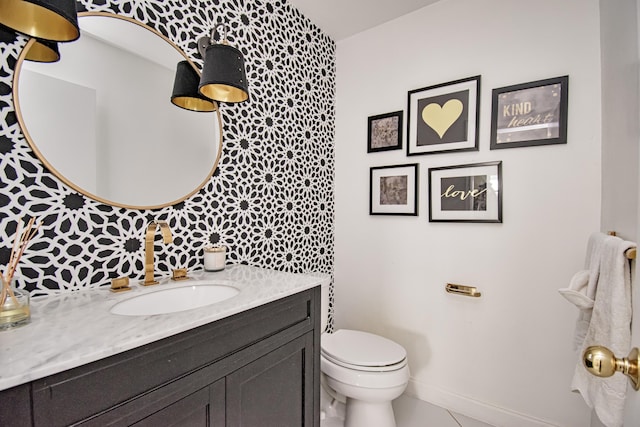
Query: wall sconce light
x: 43, y: 51
x: 185, y: 90
x: 44, y: 19
x: 223, y: 75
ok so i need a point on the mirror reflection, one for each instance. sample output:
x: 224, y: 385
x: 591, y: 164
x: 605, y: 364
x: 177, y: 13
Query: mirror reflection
x: 102, y: 121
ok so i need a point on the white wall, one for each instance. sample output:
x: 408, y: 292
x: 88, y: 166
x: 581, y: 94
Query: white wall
x: 619, y: 117
x: 507, y: 357
x: 620, y: 136
x: 633, y: 399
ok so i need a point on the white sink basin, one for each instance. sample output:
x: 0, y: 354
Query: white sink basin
x: 193, y: 294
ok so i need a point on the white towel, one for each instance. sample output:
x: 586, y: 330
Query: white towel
x: 582, y: 288
x: 609, y: 326
x: 576, y: 294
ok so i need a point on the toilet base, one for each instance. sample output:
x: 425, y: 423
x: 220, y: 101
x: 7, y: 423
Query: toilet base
x: 361, y: 413
x: 369, y: 406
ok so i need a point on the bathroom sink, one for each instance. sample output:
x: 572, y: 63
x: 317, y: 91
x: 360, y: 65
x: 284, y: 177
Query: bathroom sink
x: 194, y: 294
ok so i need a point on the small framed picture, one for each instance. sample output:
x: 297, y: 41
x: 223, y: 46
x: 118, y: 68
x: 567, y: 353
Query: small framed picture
x: 385, y: 132
x: 393, y: 190
x: 529, y: 114
x: 466, y: 193
x: 444, y: 117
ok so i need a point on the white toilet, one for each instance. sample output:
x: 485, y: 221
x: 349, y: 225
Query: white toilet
x: 365, y: 370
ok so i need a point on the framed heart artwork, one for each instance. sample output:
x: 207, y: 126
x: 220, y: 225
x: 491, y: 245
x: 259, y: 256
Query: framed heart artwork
x: 444, y: 117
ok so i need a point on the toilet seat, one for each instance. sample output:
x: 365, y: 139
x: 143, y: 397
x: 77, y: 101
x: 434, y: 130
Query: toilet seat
x: 363, y: 351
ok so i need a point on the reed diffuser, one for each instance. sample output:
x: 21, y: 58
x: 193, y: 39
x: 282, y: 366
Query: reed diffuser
x: 14, y: 302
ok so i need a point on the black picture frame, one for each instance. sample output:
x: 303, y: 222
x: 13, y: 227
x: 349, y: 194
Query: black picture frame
x: 466, y: 193
x: 530, y: 114
x: 393, y: 190
x: 384, y: 132
x: 444, y: 118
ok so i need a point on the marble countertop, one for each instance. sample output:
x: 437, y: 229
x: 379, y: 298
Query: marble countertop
x: 75, y: 328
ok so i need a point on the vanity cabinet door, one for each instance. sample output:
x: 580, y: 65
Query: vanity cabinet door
x: 15, y: 406
x: 275, y: 389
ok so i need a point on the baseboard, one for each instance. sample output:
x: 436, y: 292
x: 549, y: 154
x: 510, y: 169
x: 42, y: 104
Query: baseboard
x: 481, y: 411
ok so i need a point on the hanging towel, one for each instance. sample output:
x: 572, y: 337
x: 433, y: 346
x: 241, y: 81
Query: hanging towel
x: 582, y: 288
x: 576, y: 294
x: 609, y: 326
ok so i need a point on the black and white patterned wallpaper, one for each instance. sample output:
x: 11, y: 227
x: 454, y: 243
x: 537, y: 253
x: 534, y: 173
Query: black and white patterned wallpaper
x: 271, y: 198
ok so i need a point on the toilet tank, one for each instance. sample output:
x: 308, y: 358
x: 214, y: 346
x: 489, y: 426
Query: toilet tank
x: 324, y: 307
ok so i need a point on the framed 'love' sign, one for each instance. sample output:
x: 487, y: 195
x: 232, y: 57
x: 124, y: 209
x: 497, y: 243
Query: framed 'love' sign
x: 444, y: 117
x: 466, y: 193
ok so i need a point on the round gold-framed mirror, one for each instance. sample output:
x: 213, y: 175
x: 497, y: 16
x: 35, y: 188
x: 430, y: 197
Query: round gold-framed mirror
x: 101, y: 119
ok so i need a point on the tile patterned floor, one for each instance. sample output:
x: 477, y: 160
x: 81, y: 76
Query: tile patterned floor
x: 411, y: 412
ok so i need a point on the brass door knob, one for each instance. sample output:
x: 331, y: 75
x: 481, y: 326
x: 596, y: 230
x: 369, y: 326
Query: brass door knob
x: 601, y: 362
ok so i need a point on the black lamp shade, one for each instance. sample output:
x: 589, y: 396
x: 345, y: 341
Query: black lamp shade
x: 43, y: 51
x: 44, y: 19
x: 223, y: 76
x: 185, y: 90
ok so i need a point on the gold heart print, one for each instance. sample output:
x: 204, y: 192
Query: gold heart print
x: 439, y: 118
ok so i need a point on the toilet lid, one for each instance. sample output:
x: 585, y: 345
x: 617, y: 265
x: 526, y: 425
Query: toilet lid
x: 361, y: 349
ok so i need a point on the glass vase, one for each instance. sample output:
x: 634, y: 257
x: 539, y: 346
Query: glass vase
x: 14, y: 306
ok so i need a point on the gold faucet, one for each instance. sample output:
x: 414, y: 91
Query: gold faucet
x: 149, y: 278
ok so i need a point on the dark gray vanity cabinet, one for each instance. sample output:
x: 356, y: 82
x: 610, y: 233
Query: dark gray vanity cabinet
x: 257, y: 368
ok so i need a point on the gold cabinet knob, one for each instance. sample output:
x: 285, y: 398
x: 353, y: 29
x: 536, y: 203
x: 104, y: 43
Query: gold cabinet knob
x: 601, y: 362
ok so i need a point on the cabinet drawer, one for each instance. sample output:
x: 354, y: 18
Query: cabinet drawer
x: 176, y: 404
